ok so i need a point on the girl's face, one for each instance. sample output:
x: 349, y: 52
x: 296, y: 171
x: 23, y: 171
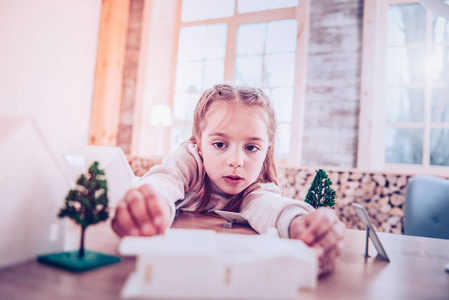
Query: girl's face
x: 234, y: 145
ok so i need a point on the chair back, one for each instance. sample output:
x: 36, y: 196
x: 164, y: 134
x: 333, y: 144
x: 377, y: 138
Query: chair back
x: 427, y: 207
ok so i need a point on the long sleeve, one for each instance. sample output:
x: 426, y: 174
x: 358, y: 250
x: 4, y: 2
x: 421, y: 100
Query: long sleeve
x: 263, y: 206
x: 179, y: 172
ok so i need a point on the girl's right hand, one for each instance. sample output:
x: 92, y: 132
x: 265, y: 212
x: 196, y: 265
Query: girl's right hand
x: 142, y: 212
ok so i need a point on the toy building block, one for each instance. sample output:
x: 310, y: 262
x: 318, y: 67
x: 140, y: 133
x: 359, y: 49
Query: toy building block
x: 188, y: 263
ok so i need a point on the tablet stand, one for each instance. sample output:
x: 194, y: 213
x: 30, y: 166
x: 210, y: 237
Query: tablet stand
x: 228, y: 225
x: 366, y: 255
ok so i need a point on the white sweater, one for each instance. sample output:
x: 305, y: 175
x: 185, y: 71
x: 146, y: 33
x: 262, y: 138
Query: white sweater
x: 183, y: 173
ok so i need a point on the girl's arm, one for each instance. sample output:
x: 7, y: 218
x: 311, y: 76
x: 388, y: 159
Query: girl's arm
x: 323, y: 231
x: 320, y: 229
x: 148, y: 209
x: 264, y: 208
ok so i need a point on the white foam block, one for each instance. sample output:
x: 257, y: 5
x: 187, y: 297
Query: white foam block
x: 186, y: 263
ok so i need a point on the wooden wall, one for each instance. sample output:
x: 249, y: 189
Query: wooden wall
x: 333, y: 83
x: 130, y: 75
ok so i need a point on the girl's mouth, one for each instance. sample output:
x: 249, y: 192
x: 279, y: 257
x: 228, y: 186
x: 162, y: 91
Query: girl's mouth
x: 233, y: 179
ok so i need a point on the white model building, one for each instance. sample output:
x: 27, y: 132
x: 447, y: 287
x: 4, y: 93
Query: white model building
x: 33, y: 186
x: 191, y: 263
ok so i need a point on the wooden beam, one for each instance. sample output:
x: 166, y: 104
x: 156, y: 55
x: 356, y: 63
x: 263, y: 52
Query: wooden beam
x: 299, y: 88
x: 105, y: 111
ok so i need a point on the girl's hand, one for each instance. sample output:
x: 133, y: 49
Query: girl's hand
x: 141, y: 213
x: 323, y: 231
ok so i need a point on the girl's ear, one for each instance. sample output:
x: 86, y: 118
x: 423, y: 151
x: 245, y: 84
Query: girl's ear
x: 198, y: 147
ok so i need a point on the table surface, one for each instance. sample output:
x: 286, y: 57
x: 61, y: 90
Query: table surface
x: 416, y: 270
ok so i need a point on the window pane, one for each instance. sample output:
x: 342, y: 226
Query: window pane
x: 405, y: 105
x: 213, y: 73
x: 192, y: 43
x: 258, y: 5
x: 438, y: 63
x: 282, y: 99
x: 252, y: 5
x: 179, y: 134
x: 184, y: 105
x: 189, y: 76
x: 439, y: 145
x: 440, y: 29
x: 405, y: 65
x: 249, y: 70
x: 403, y: 145
x: 198, y: 42
x: 216, y: 41
x: 220, y: 8
x: 251, y: 39
x: 194, y: 10
x: 282, y: 143
x: 201, y: 56
x: 273, y: 4
x: 440, y: 105
x: 281, y: 36
x: 406, y: 24
x: 280, y: 69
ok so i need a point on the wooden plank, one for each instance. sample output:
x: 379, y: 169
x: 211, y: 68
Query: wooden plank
x: 138, y: 104
x: 251, y: 17
x: 370, y: 153
x: 105, y: 110
x: 299, y: 92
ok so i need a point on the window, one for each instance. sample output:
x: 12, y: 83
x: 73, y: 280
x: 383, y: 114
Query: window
x: 246, y: 42
x: 411, y: 122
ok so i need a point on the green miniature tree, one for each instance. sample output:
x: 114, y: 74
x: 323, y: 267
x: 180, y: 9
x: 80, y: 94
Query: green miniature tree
x: 320, y: 192
x: 87, y: 204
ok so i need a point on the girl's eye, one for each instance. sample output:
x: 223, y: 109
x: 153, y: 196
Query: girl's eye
x: 252, y: 148
x: 219, y: 145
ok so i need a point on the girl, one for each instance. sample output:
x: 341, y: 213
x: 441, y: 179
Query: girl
x: 228, y: 164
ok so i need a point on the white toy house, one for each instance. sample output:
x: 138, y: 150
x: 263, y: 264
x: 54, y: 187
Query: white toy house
x: 188, y: 263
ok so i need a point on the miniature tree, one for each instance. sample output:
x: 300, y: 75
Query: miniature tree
x: 320, y: 192
x: 87, y: 204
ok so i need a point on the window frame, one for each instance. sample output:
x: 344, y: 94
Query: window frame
x: 372, y: 117
x: 301, y: 14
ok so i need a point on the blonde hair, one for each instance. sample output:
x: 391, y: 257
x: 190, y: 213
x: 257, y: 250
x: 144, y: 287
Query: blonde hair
x: 235, y: 95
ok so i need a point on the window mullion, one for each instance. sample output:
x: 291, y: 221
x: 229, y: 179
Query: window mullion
x: 302, y: 15
x: 231, y: 41
x: 427, y: 94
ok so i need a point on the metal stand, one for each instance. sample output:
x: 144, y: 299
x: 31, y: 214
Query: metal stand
x: 228, y: 225
x: 366, y: 255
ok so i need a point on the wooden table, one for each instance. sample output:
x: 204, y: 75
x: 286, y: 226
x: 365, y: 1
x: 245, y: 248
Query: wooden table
x: 416, y: 270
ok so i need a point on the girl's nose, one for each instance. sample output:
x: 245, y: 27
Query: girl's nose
x: 235, y: 159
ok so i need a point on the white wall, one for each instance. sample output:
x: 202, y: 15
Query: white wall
x: 47, y: 64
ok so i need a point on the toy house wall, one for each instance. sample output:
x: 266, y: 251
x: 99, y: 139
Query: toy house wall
x: 47, y: 64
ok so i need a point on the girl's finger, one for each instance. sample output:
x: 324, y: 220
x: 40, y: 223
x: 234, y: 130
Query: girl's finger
x: 332, y: 237
x: 329, y: 258
x: 155, y: 208
x: 137, y: 207
x: 123, y: 224
x: 320, y: 222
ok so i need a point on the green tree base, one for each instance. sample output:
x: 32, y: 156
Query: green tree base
x: 72, y: 262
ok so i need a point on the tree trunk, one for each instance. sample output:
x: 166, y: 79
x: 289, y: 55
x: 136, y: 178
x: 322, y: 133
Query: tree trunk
x: 81, y: 252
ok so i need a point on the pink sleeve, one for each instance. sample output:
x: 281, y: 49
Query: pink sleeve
x: 179, y: 172
x: 263, y: 206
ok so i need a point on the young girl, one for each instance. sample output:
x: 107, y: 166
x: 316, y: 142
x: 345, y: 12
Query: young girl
x: 228, y: 164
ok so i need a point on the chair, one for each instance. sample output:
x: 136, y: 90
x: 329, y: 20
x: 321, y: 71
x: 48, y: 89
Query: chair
x: 427, y: 207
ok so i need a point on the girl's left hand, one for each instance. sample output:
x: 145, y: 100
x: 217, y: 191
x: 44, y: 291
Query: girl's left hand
x: 323, y: 231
